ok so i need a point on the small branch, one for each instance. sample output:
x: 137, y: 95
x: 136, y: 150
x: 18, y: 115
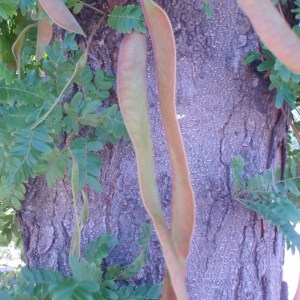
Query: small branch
x: 94, y: 32
x: 92, y: 7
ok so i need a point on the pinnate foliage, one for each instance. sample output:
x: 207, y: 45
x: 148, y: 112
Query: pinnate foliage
x: 275, y: 199
x: 30, y: 150
x: 127, y: 18
x: 296, y: 10
x: 7, y: 8
x: 284, y: 81
x: 274, y: 195
x: 89, y: 279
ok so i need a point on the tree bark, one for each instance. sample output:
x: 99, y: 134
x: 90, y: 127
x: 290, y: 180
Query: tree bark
x: 225, y: 109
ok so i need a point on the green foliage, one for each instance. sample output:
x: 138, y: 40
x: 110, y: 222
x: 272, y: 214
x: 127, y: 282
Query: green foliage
x: 283, y: 2
x: 11, y: 197
x: 297, y: 9
x: 8, y: 8
x: 207, y: 9
x: 27, y: 149
x: 274, y: 195
x: 282, y: 79
x: 30, y: 148
x: 89, y: 163
x: 25, y: 5
x: 127, y: 18
x: 285, y: 82
x: 75, y: 5
x: 39, y: 118
x: 275, y: 199
x: 121, y: 273
x: 88, y: 280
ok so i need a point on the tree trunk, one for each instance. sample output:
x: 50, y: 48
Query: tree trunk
x: 225, y: 109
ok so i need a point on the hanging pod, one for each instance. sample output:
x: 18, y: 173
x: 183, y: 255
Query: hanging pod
x: 131, y: 84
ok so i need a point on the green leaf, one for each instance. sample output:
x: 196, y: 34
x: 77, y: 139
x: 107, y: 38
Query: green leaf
x: 55, y: 170
x: 16, y: 203
x: 102, y: 81
x: 90, y: 120
x: 28, y: 274
x: 279, y: 98
x: 99, y: 249
x: 90, y: 107
x: 94, y: 184
x: 83, y: 270
x: 89, y: 164
x: 237, y: 167
x: 290, y: 184
x: 109, y: 294
x: 94, y: 146
x: 63, y: 290
x: 41, y: 146
x: 207, y: 9
x: 141, y: 292
x: 127, y: 18
x: 77, y: 7
x: 283, y: 71
x: 26, y: 4
x: 8, y: 8
x: 265, y: 66
x: 252, y: 57
x: 270, y: 196
x: 293, y: 168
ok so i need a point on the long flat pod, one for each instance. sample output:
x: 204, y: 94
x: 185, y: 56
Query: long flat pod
x: 274, y: 31
x: 183, y: 204
x: 131, y: 87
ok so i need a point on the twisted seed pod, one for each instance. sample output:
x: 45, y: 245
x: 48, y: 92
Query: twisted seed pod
x: 183, y: 203
x: 131, y: 87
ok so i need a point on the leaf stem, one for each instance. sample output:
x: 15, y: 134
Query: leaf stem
x: 92, y: 7
x: 78, y: 68
x: 94, y: 32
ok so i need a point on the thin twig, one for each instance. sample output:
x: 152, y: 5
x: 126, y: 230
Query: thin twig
x: 92, y: 7
x: 94, y: 32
